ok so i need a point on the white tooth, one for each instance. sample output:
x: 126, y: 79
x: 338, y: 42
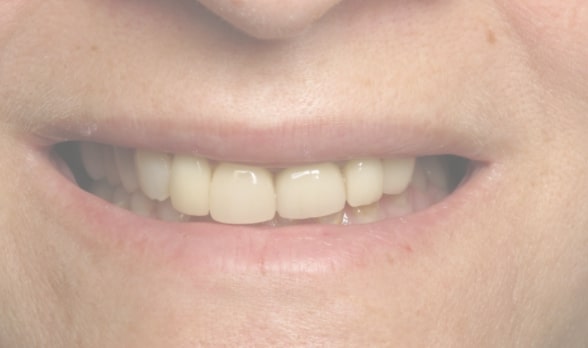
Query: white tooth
x: 310, y: 191
x: 190, y: 185
x: 364, y: 180
x: 110, y: 166
x: 125, y: 162
x: 121, y: 198
x: 92, y: 160
x: 242, y: 194
x: 397, y: 174
x: 165, y: 211
x: 101, y: 189
x: 153, y: 171
x: 141, y: 204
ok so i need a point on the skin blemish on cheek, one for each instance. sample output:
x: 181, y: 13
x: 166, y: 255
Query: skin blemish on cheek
x: 490, y: 37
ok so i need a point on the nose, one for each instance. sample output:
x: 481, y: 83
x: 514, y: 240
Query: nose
x: 270, y: 19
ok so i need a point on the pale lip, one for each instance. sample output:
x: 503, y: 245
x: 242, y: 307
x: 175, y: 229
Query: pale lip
x: 209, y: 247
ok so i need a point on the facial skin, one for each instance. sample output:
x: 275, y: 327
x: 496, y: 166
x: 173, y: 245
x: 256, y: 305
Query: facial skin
x: 507, y: 266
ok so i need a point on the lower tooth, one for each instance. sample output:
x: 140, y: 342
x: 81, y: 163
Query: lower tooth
x: 364, y: 215
x: 120, y: 198
x: 141, y: 204
x: 333, y: 219
x: 166, y: 212
x: 396, y: 205
x: 102, y: 189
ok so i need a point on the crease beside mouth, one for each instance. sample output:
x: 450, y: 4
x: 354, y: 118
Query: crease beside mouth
x: 183, y: 188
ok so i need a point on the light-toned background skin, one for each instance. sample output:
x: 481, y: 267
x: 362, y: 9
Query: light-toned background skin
x: 511, y: 272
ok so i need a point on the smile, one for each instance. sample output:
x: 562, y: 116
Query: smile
x: 208, y: 197
x: 184, y: 188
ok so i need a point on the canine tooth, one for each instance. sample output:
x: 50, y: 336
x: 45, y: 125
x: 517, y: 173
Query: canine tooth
x: 397, y: 174
x: 364, y: 181
x: 310, y: 191
x: 125, y: 162
x: 242, y: 194
x: 92, y: 159
x: 141, y: 204
x: 110, y: 166
x: 190, y: 185
x: 153, y: 171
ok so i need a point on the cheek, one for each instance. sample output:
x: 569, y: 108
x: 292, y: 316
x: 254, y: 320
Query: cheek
x: 554, y: 33
x: 12, y: 14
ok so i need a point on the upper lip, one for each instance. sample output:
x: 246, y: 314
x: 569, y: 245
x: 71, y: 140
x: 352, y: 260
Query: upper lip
x: 282, y: 143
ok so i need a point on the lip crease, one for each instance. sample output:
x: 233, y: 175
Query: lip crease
x: 212, y: 247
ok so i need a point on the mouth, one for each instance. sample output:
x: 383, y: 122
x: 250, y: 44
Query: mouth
x: 289, y: 211
x: 190, y: 189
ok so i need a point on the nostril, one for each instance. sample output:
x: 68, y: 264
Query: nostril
x: 270, y: 19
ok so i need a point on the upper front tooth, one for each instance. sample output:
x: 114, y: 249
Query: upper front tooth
x: 364, y: 180
x: 189, y: 185
x: 153, y: 170
x: 310, y: 191
x: 397, y: 175
x: 242, y: 194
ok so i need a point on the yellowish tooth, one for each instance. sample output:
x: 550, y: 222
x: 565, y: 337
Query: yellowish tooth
x: 125, y: 163
x: 190, y: 185
x: 110, y: 166
x: 397, y: 174
x: 242, y: 194
x: 166, y: 212
x: 141, y: 204
x: 364, y: 181
x: 153, y: 171
x: 92, y: 159
x: 310, y: 191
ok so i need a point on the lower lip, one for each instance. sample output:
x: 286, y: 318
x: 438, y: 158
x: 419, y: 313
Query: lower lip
x: 212, y: 247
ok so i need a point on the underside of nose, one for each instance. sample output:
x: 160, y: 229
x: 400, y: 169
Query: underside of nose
x: 270, y: 19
